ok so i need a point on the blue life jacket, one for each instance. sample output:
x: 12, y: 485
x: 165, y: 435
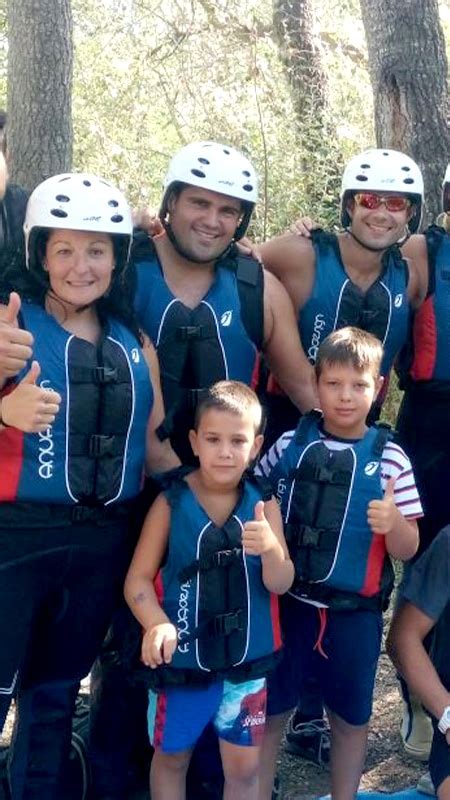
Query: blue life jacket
x: 324, y: 496
x: 94, y: 453
x: 336, y: 301
x: 219, y: 339
x: 227, y: 620
x: 430, y: 357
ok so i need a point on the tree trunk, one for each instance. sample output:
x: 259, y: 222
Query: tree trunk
x: 300, y: 53
x: 40, y: 60
x: 408, y: 70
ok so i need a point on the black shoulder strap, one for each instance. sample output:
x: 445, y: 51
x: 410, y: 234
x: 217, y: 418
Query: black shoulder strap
x: 142, y: 247
x: 433, y: 238
x: 250, y: 278
x: 401, y: 263
x: 384, y: 435
x: 313, y: 417
x: 172, y: 483
x: 261, y: 483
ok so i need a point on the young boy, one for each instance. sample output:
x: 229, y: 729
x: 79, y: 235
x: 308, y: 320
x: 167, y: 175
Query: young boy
x: 348, y: 501
x: 203, y: 583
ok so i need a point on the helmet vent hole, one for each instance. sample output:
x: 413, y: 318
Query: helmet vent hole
x: 385, y: 153
x: 361, y: 178
x: 226, y: 151
x: 408, y: 180
x: 58, y: 212
x: 117, y: 218
x: 365, y: 166
x: 248, y: 187
x: 406, y: 169
x: 87, y: 183
x: 62, y: 198
x: 198, y: 173
x: 246, y: 173
x: 113, y: 203
x: 203, y: 161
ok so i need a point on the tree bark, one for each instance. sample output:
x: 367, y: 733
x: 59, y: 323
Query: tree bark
x: 300, y: 53
x: 40, y: 60
x: 408, y: 71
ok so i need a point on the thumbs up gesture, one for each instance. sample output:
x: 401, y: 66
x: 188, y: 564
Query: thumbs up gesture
x: 382, y: 514
x: 258, y: 537
x: 29, y: 407
x: 15, y: 343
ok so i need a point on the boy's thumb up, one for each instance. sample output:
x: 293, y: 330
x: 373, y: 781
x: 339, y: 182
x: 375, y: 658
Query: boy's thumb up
x: 389, y: 490
x: 259, y: 511
x: 12, y: 309
x: 33, y: 373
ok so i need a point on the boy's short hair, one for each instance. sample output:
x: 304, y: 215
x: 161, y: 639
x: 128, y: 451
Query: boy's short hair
x: 232, y: 396
x: 350, y: 346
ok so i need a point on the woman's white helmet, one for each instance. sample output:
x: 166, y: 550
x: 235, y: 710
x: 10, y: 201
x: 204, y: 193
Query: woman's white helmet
x: 446, y: 190
x: 81, y: 202
x: 382, y: 170
x: 218, y: 168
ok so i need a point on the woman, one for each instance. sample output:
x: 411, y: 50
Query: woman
x: 78, y: 429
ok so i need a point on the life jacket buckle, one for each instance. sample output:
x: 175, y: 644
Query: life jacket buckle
x: 105, y: 375
x: 223, y: 558
x: 309, y: 537
x: 100, y: 446
x: 224, y: 624
x: 187, y: 333
x: 85, y: 513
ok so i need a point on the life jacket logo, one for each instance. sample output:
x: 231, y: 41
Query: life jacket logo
x: 182, y: 617
x: 46, y: 446
x: 281, y: 488
x: 226, y: 318
x: 319, y: 325
x: 398, y: 301
x: 135, y: 355
x: 371, y: 468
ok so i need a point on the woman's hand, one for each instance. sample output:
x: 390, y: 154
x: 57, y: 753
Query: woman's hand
x: 29, y: 407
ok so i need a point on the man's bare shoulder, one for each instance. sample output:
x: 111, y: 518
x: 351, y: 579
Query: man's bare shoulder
x: 286, y: 251
x: 414, y: 251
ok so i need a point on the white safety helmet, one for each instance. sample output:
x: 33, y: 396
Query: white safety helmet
x: 81, y: 202
x: 218, y: 168
x: 381, y: 170
x: 446, y: 190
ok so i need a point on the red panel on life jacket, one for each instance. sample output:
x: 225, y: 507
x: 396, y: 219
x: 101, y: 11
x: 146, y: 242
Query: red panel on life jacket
x: 425, y: 342
x: 11, y: 457
x: 375, y: 562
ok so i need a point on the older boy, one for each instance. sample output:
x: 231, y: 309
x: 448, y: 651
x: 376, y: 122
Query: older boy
x: 349, y: 501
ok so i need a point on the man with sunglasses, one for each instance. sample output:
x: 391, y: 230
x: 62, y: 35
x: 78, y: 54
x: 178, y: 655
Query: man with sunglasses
x: 359, y: 278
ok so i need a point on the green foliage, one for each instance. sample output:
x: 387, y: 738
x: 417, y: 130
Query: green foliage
x: 150, y: 77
